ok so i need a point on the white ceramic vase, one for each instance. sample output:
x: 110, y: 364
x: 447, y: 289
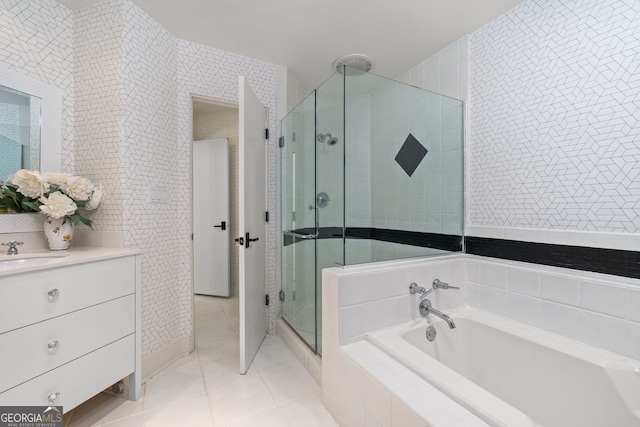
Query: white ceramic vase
x: 58, y: 233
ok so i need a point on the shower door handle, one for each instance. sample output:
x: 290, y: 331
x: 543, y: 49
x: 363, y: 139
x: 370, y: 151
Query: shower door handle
x: 300, y: 235
x: 222, y: 226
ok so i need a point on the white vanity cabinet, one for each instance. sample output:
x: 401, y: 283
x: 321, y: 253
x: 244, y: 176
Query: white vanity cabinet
x: 67, y: 332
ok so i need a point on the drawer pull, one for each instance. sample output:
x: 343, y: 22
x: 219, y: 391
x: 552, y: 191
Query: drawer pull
x: 53, y: 397
x: 53, y: 346
x: 53, y: 294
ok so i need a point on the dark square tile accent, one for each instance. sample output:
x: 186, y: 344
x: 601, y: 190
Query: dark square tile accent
x: 410, y: 155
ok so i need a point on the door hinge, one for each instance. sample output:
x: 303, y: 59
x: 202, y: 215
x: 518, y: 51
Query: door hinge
x: 266, y: 133
x: 191, y: 236
x: 267, y: 299
x: 266, y: 216
x: 281, y: 141
x: 281, y: 295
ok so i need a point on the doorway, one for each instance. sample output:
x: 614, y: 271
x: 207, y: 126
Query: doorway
x: 215, y: 262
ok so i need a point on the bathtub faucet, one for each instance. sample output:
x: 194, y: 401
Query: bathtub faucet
x: 426, y: 308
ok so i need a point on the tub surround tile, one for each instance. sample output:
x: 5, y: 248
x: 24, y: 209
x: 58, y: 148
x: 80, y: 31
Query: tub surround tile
x: 493, y: 275
x: 524, y: 309
x: 490, y: 299
x: 473, y: 271
x: 634, y: 340
x: 560, y: 319
x: 523, y: 281
x: 354, y: 412
x: 378, y: 402
x: 634, y: 304
x: 561, y: 289
x: 604, y: 332
x: 605, y: 298
x: 403, y: 416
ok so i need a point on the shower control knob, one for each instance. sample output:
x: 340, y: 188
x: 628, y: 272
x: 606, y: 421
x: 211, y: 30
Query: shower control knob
x: 240, y: 241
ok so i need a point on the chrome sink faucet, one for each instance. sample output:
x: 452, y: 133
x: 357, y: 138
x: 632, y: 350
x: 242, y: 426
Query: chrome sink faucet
x: 425, y: 305
x: 12, y: 247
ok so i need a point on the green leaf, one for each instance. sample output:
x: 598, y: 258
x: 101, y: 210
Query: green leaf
x: 76, y: 218
x: 80, y: 203
x: 33, y: 205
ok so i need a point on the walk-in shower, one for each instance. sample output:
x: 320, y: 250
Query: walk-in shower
x: 371, y: 170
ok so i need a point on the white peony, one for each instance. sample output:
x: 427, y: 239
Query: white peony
x: 78, y: 188
x: 56, y: 179
x: 57, y: 205
x: 95, y: 199
x: 30, y: 183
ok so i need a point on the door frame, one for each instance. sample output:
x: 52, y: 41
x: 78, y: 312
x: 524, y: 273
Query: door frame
x: 223, y: 103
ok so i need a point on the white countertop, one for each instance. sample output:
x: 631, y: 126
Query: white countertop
x: 43, y: 259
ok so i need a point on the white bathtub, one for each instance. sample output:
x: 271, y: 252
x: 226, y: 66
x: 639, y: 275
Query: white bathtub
x: 512, y: 374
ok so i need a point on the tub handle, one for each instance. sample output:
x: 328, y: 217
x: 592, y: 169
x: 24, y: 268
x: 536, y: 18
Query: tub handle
x: 437, y: 284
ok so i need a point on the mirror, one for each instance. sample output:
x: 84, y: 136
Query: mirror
x: 45, y: 155
x: 20, y: 115
x: 30, y: 124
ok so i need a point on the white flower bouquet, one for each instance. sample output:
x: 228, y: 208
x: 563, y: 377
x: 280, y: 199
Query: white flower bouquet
x: 58, y: 195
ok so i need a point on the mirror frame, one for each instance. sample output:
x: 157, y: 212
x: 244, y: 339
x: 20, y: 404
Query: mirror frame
x: 50, y: 139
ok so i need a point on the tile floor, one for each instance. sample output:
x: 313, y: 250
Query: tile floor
x: 205, y: 389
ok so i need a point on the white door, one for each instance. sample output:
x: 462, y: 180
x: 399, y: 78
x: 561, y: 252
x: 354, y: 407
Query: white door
x: 211, y: 217
x: 252, y: 202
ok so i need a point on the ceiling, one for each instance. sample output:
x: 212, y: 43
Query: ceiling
x: 205, y: 106
x: 308, y: 35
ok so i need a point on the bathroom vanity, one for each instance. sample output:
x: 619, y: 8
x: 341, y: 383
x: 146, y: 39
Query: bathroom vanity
x: 69, y: 326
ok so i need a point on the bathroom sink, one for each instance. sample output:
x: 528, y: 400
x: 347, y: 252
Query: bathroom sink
x: 8, y: 261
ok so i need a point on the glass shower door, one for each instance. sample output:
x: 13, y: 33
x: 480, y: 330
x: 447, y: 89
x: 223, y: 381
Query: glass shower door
x: 299, y: 220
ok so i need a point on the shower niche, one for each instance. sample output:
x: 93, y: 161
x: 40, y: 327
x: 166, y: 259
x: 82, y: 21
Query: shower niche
x: 371, y: 170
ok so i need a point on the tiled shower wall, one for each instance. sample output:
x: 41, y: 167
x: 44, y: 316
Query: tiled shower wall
x: 44, y: 29
x: 224, y: 124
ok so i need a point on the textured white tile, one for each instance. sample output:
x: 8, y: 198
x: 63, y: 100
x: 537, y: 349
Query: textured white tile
x: 378, y: 403
x: 487, y: 298
x: 522, y: 281
x: 271, y: 418
x: 353, y: 321
x: 104, y: 408
x: 604, y: 332
x: 240, y: 401
x: 524, y: 309
x: 560, y: 319
x: 291, y: 384
x: 187, y: 412
x: 546, y: 168
x: 562, y: 289
x: 354, y: 412
x: 315, y: 415
x: 604, y: 298
x: 634, y: 340
x: 403, y: 416
x: 473, y: 271
x: 634, y: 305
x: 164, y: 389
x: 355, y: 381
x: 494, y: 275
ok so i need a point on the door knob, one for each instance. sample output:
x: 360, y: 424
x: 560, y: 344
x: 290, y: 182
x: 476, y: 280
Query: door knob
x: 248, y: 240
x: 240, y: 241
x: 222, y: 226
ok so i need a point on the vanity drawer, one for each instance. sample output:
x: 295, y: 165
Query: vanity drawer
x: 25, y: 351
x: 76, y: 381
x: 39, y: 295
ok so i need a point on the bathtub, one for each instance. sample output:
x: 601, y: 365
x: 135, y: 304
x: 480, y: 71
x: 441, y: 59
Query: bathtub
x: 511, y: 374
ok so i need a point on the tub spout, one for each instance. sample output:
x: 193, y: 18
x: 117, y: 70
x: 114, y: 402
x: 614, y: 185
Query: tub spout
x: 426, y: 308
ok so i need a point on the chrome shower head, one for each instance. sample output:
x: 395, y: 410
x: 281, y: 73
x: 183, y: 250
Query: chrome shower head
x: 331, y: 140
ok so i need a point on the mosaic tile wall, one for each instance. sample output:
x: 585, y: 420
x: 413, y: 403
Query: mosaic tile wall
x: 554, y: 117
x: 44, y: 29
x: 224, y: 124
